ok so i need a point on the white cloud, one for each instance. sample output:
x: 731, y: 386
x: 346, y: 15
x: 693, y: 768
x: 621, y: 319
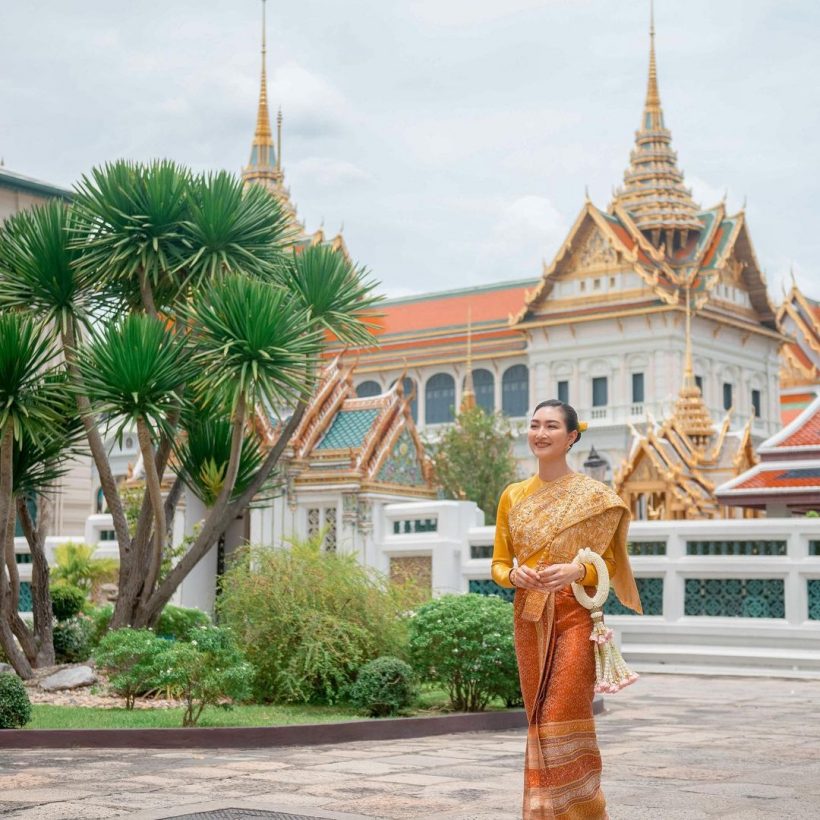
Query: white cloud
x: 525, y: 230
x: 466, y: 12
x: 327, y: 172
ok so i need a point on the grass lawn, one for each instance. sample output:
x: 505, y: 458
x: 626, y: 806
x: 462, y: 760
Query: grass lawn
x: 430, y: 701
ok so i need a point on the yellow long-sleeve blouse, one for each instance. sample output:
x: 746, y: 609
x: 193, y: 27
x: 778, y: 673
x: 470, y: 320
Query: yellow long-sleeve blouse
x: 502, y: 563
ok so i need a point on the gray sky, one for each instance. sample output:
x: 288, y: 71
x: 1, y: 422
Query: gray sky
x: 452, y: 138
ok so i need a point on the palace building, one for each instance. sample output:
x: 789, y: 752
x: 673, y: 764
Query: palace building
x: 603, y: 326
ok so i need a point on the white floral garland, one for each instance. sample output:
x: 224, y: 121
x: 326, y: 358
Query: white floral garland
x: 611, y: 672
x: 588, y: 556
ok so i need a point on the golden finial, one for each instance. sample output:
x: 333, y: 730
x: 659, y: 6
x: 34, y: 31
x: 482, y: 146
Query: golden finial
x: 468, y: 397
x: 279, y: 139
x: 653, y: 97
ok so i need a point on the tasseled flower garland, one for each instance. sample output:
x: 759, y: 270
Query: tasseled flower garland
x: 611, y: 672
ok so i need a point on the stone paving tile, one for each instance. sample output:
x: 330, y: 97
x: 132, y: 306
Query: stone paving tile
x: 673, y: 747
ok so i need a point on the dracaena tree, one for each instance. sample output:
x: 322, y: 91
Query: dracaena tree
x: 180, y: 307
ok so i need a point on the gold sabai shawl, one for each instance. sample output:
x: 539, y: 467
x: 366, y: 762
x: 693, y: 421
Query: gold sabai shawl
x: 567, y: 514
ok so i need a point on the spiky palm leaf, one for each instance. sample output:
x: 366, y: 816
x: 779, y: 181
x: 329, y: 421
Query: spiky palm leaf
x: 233, y: 229
x: 251, y: 342
x: 38, y: 266
x: 337, y: 295
x: 203, y: 454
x: 134, y: 369
x: 39, y: 463
x: 131, y: 223
x: 25, y: 356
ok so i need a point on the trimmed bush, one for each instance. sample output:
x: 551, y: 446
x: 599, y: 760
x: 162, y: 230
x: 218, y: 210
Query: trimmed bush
x: 66, y: 601
x: 208, y: 670
x: 383, y: 687
x: 308, y: 619
x: 15, y: 707
x: 130, y: 657
x: 465, y: 642
x: 73, y: 639
x: 178, y: 622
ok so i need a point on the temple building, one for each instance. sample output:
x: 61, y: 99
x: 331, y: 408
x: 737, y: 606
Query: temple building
x: 603, y: 326
x: 348, y: 457
x: 787, y: 480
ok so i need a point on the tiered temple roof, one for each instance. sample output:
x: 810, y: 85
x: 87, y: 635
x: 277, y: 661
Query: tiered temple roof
x: 788, y: 475
x: 798, y: 317
x: 653, y: 193
x: 370, y: 444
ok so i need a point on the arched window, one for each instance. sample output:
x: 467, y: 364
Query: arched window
x: 439, y: 399
x: 409, y: 387
x: 484, y: 386
x: 367, y: 389
x: 515, y: 391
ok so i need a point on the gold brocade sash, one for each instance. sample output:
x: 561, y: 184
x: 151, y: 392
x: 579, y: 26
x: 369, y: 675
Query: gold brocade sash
x: 573, y: 501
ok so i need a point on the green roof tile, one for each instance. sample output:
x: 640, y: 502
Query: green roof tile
x: 348, y: 429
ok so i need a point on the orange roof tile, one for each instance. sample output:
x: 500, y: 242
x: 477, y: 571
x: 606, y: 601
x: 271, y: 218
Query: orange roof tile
x: 449, y: 309
x: 807, y: 435
x: 779, y: 478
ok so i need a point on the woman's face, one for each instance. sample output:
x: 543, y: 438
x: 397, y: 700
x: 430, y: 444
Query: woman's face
x: 548, y: 437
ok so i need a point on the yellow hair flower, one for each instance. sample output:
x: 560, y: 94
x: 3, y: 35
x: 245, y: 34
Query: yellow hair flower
x: 582, y: 426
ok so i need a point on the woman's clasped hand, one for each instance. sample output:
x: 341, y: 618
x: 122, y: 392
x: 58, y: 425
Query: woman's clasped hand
x: 549, y: 579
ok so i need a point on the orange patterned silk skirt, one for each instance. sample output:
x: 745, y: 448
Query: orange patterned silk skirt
x: 556, y: 663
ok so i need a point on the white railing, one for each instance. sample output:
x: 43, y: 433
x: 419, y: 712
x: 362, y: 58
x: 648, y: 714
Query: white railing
x: 753, y: 613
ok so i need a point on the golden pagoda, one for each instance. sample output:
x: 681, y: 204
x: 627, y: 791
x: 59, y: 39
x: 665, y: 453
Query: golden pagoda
x: 673, y: 468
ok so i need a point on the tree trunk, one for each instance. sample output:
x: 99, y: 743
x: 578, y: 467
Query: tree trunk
x: 95, y: 442
x: 216, y: 523
x: 8, y: 594
x: 19, y: 627
x: 40, y: 593
x: 152, y: 482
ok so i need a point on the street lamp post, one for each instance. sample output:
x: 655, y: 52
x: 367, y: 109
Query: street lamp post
x: 595, y: 466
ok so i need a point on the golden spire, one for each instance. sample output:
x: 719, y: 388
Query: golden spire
x: 263, y: 166
x: 279, y: 139
x: 653, y: 97
x: 690, y: 413
x: 653, y: 192
x: 468, y: 396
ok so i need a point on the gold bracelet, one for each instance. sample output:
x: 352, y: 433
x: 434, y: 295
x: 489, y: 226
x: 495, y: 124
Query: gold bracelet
x: 510, y: 578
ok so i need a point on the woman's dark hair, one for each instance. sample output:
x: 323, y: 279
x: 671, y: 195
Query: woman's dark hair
x: 567, y: 411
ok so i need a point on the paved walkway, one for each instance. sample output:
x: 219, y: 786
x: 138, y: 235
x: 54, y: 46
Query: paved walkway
x: 673, y: 747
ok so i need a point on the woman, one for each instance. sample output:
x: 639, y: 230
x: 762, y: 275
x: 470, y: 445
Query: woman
x: 542, y: 523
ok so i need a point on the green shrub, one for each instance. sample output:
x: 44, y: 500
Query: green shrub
x: 383, y: 687
x: 100, y: 619
x: 207, y: 670
x: 465, y: 642
x: 72, y: 639
x: 66, y: 601
x: 177, y: 622
x: 308, y: 620
x: 130, y: 658
x: 15, y: 707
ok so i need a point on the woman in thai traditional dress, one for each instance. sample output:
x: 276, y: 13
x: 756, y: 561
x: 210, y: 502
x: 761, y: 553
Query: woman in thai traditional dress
x: 542, y: 523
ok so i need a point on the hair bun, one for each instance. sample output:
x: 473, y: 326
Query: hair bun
x: 582, y: 426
